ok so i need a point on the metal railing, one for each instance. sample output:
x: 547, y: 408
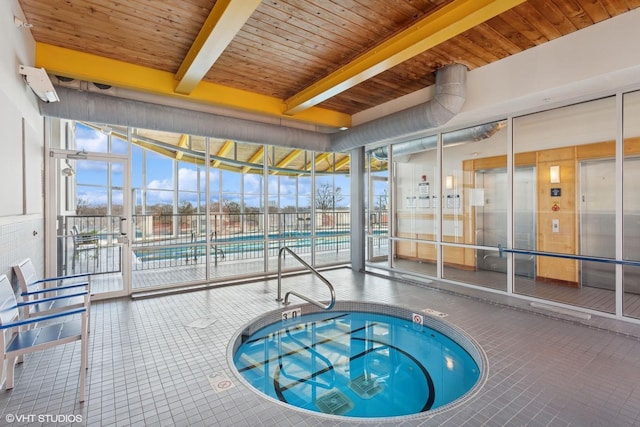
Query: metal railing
x: 314, y: 272
x: 502, y: 250
x: 170, y: 240
x: 88, y: 244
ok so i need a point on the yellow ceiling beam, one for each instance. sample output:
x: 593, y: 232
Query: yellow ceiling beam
x: 344, y: 161
x: 184, y: 139
x: 288, y: 159
x: 319, y: 158
x: 253, y: 159
x: 440, y: 26
x: 226, y: 147
x: 223, y: 23
x: 93, y: 68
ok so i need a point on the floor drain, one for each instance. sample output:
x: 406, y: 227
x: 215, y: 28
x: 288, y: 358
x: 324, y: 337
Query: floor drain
x: 201, y: 323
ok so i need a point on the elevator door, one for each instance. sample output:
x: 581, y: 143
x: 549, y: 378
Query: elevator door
x: 491, y: 219
x: 598, y: 222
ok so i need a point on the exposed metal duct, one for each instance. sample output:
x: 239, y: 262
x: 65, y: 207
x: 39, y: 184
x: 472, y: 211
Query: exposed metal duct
x: 99, y: 108
x: 450, y: 94
x: 476, y: 133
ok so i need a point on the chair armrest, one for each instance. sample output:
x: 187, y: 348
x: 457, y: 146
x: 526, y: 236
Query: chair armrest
x: 71, y: 276
x: 58, y: 288
x: 50, y: 299
x: 37, y: 319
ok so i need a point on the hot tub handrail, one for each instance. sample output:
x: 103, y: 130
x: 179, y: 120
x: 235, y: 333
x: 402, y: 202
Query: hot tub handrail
x: 502, y: 250
x: 313, y: 271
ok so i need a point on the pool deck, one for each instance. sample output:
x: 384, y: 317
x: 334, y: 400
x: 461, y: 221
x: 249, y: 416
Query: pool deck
x: 150, y: 365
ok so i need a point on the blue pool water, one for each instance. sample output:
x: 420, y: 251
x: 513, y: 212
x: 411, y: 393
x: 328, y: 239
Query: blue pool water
x: 356, y: 364
x: 239, y: 244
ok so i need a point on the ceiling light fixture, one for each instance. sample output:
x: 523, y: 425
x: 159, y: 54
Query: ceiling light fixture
x: 39, y: 82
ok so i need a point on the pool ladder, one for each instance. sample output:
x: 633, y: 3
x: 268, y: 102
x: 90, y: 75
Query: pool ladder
x: 313, y: 271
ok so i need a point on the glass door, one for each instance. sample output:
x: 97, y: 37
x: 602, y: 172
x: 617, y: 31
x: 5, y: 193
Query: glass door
x: 90, y: 219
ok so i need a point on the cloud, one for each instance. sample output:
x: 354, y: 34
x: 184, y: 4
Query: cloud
x: 91, y: 141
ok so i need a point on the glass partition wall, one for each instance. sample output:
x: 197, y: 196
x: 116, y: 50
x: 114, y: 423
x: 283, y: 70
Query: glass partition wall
x: 573, y: 151
x: 416, y: 198
x: 377, y: 206
x: 631, y: 204
x: 202, y: 210
x: 474, y: 204
x: 541, y: 205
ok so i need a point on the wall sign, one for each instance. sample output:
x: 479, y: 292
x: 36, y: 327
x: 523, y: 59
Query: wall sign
x: 556, y: 192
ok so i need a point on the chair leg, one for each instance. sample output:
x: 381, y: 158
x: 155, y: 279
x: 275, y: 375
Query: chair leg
x: 84, y: 356
x: 11, y: 363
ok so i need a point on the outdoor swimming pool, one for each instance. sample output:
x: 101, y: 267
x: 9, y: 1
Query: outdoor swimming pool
x: 238, y: 245
x: 358, y: 363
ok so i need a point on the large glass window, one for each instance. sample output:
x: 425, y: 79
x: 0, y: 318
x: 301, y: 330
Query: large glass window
x: 289, y: 205
x: 631, y: 204
x: 244, y: 221
x: 568, y: 203
x: 474, y: 204
x: 332, y: 200
x: 416, y: 199
x: 377, y: 204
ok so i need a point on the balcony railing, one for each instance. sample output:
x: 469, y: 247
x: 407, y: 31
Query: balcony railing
x: 170, y: 240
x: 89, y: 244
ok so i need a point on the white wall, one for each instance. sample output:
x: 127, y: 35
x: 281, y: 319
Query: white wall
x: 21, y: 158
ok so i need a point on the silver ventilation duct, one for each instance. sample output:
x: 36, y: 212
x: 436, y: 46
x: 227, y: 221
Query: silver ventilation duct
x: 476, y: 133
x: 450, y: 94
x: 99, y: 108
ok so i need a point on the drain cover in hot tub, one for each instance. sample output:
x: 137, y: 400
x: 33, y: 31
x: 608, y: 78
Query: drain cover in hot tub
x: 334, y: 402
x: 365, y: 386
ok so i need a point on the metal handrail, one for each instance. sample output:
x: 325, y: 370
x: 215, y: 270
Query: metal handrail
x: 569, y: 256
x: 314, y: 272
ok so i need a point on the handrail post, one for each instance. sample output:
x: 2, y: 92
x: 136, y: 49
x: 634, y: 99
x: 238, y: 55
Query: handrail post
x: 280, y: 273
x: 313, y: 271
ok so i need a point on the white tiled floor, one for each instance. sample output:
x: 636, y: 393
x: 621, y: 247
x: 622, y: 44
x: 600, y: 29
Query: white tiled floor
x: 148, y: 368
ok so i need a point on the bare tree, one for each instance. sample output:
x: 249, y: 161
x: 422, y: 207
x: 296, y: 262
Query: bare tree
x: 82, y: 206
x: 328, y: 198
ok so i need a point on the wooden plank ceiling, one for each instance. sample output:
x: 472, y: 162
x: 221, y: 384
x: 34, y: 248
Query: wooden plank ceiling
x: 316, y: 61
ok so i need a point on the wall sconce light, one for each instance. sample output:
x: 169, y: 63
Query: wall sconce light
x: 20, y: 23
x: 68, y: 171
x: 39, y: 82
x: 554, y: 174
x: 448, y: 182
